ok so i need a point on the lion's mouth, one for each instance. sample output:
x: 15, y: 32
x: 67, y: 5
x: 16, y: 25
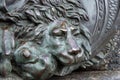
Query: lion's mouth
x: 70, y: 58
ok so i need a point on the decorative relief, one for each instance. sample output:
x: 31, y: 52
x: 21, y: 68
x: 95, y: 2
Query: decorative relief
x: 111, y: 52
x: 100, y: 16
x: 42, y: 38
x: 113, y: 10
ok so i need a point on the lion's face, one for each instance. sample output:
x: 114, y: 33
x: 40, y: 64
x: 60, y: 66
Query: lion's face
x: 65, y: 42
x: 68, y: 43
x: 34, y: 61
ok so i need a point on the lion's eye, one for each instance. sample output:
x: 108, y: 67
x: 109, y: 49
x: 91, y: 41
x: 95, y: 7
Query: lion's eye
x: 76, y: 32
x: 57, y: 32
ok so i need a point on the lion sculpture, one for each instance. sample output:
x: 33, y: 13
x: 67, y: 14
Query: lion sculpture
x: 42, y: 38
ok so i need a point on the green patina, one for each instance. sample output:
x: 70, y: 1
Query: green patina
x: 43, y: 37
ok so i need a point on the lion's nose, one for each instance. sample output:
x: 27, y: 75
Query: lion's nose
x: 74, y: 51
x: 74, y: 48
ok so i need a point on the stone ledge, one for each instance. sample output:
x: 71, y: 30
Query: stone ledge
x: 83, y: 75
x: 91, y: 75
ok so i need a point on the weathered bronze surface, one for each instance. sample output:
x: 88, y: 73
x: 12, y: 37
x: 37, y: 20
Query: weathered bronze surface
x: 42, y: 38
